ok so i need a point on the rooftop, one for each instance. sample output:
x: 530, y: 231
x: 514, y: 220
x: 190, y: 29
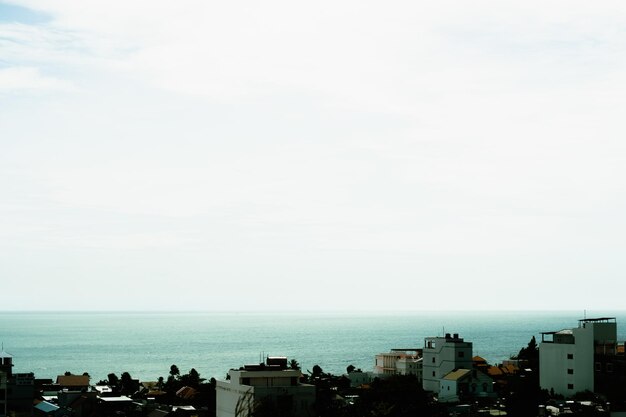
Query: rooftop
x: 456, y: 375
x: 597, y: 320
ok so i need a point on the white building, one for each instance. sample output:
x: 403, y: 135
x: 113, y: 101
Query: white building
x: 443, y: 355
x: 567, y: 357
x: 456, y: 385
x: 399, y: 362
x: 266, y: 384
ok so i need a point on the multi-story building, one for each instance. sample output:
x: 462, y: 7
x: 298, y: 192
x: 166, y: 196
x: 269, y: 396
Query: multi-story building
x: 17, y: 391
x: 443, y: 355
x: 568, y: 358
x: 6, y: 363
x: 270, y: 385
x: 399, y: 362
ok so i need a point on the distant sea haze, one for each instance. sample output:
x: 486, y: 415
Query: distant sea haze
x: 146, y: 344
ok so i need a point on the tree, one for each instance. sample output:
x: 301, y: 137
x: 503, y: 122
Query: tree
x: 191, y: 379
x: 174, y: 371
x: 350, y: 369
x: 397, y: 396
x: 530, y: 352
x: 126, y: 384
x: 113, y: 380
x: 317, y: 371
x: 160, y: 381
x: 293, y: 364
x: 68, y: 373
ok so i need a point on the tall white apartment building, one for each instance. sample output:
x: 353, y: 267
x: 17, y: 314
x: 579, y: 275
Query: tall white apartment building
x: 442, y: 355
x: 567, y: 357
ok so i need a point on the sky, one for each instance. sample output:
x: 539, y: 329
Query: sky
x: 285, y: 155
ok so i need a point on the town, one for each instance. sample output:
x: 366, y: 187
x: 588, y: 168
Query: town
x: 579, y: 371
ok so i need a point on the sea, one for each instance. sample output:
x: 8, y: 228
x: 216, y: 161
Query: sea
x: 146, y: 344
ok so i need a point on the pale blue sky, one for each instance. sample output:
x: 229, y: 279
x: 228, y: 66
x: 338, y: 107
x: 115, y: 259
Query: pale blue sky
x: 275, y: 155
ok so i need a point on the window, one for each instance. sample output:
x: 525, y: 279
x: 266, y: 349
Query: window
x: 570, y: 386
x: 433, y: 373
x: 461, y: 354
x: 433, y: 359
x: 570, y: 356
x: 570, y: 371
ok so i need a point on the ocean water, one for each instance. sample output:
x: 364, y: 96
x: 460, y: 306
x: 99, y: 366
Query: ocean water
x: 146, y: 344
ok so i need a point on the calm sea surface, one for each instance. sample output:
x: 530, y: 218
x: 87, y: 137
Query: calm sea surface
x: 146, y: 344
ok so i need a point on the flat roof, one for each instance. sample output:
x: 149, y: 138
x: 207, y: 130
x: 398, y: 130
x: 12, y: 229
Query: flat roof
x: 115, y: 399
x: 598, y: 319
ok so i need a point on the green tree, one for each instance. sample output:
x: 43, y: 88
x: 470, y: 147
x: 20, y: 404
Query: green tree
x: 126, y: 384
x: 174, y: 371
x: 317, y: 371
x: 530, y: 352
x: 113, y: 379
x: 293, y: 364
x: 192, y: 379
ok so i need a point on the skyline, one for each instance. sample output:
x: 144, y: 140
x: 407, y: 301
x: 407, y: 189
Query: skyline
x: 285, y: 157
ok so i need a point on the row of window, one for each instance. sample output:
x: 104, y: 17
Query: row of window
x: 608, y: 367
x: 460, y: 354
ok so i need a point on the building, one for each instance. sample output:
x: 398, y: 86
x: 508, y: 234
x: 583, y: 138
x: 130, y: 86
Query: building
x: 462, y: 384
x: 6, y: 363
x: 442, y: 355
x: 17, y: 391
x: 399, y: 362
x: 271, y: 385
x: 73, y: 382
x: 568, y: 358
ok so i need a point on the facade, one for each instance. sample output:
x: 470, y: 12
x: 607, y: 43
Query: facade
x: 465, y: 383
x: 443, y: 355
x: 6, y: 363
x: 17, y: 391
x: 270, y: 385
x: 567, y: 358
x: 399, y: 362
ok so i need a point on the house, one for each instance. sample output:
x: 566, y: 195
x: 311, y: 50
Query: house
x: 462, y: 384
x: 568, y: 358
x: 73, y: 382
x: 399, y: 362
x: 269, y: 385
x: 442, y: 355
x: 109, y: 406
x: 358, y: 378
